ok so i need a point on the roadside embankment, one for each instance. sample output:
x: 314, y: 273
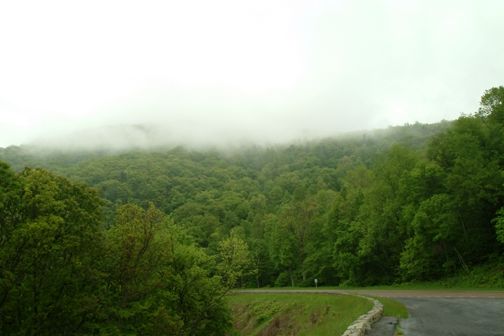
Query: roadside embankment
x: 360, y: 326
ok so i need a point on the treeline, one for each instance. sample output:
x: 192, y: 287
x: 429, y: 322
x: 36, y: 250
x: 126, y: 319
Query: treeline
x: 65, y: 271
x: 418, y: 202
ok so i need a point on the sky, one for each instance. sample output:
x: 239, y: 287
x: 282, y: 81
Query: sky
x: 231, y: 71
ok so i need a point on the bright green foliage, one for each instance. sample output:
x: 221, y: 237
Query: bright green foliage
x: 435, y: 234
x: 47, y: 259
x: 235, y: 260
x: 492, y: 105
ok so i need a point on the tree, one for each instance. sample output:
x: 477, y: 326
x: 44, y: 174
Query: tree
x: 10, y: 189
x: 235, y: 260
x: 433, y: 248
x: 49, y: 277
x: 158, y: 285
x: 499, y: 225
x: 492, y: 105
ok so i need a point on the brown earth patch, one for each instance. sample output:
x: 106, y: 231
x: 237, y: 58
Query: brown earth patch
x: 318, y: 315
x: 245, y: 321
x: 281, y: 325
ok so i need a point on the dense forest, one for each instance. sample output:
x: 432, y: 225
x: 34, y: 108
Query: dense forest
x: 100, y: 242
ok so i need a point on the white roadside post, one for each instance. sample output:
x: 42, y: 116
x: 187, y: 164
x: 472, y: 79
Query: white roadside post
x: 316, y: 283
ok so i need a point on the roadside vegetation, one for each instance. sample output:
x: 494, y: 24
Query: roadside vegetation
x: 294, y: 314
x: 484, y: 277
x: 393, y: 308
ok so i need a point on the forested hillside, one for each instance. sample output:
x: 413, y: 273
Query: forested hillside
x: 62, y: 272
x: 411, y: 203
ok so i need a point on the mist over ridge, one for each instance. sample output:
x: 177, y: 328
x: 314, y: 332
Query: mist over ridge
x: 232, y: 72
x: 150, y: 137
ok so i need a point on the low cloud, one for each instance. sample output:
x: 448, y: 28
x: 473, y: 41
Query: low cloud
x: 230, y: 72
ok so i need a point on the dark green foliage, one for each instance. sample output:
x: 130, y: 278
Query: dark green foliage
x: 159, y: 286
x: 499, y: 225
x: 63, y: 273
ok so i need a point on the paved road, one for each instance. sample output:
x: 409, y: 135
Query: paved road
x: 392, y: 293
x: 447, y: 313
x: 453, y: 316
x: 439, y: 312
x: 440, y: 293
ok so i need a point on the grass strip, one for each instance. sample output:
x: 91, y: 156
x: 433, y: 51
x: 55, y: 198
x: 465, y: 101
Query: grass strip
x: 295, y: 314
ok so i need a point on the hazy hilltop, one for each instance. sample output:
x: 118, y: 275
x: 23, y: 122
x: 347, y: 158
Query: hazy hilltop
x: 59, y: 152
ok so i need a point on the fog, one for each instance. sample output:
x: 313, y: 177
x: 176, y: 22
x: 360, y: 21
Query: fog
x: 227, y: 72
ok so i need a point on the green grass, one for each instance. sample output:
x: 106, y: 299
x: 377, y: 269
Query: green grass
x: 393, y: 307
x: 295, y: 314
x: 260, y: 315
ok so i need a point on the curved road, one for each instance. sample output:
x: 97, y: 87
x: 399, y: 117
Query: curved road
x: 450, y: 313
x: 438, y: 312
x: 454, y: 316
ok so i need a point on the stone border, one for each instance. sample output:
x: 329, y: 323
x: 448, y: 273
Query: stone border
x: 364, y: 322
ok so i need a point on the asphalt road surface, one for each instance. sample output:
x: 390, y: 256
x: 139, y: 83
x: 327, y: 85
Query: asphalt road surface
x: 453, y: 316
x: 439, y: 312
x: 449, y: 313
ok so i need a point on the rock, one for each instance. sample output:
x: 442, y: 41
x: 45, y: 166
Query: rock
x: 364, y: 322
